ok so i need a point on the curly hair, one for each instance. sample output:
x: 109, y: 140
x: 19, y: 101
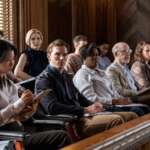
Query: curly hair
x: 138, y: 51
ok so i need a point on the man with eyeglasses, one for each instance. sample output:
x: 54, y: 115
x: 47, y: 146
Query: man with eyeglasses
x: 96, y: 86
x: 120, y: 75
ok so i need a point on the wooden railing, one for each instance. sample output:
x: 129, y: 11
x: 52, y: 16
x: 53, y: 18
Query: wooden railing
x: 134, y: 134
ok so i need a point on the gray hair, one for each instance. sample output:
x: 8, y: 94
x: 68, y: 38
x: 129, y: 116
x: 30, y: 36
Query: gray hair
x: 120, y: 47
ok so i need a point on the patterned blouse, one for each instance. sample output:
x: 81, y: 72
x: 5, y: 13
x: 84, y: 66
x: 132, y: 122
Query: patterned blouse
x: 141, y: 73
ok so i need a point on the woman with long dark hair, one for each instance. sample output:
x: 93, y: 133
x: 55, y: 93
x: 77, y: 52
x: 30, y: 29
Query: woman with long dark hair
x: 13, y: 109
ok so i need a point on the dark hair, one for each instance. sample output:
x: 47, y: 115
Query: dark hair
x: 5, y: 47
x: 87, y: 50
x: 78, y: 38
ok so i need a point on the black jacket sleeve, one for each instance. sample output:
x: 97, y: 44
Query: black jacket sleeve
x: 51, y: 103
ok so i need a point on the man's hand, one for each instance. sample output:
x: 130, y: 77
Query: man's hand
x: 94, y: 108
x: 121, y: 101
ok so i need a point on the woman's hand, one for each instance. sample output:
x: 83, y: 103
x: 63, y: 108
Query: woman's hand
x: 27, y: 97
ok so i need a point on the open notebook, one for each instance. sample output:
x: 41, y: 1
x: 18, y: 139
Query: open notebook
x: 144, y: 91
x: 98, y: 113
x: 28, y: 84
x: 132, y: 105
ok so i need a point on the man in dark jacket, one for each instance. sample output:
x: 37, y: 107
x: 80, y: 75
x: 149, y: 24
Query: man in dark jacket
x: 63, y: 97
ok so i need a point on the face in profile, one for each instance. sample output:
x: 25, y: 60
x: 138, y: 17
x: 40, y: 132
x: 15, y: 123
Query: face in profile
x: 124, y: 57
x: 80, y: 44
x: 123, y: 54
x: 7, y: 63
x: 146, y: 52
x: 35, y: 41
x: 57, y: 56
x: 91, y: 61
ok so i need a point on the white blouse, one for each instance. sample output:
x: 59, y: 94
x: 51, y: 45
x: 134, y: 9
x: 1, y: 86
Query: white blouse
x: 10, y: 104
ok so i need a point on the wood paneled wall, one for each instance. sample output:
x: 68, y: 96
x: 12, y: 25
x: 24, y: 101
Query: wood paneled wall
x: 59, y: 20
x: 133, y: 23
x: 31, y: 14
x: 100, y: 20
x: 84, y: 18
x: 103, y: 20
x: 94, y: 18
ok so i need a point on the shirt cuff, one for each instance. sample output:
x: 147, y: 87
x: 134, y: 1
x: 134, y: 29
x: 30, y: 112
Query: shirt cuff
x: 19, y: 105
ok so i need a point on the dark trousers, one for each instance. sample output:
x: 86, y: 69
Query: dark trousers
x: 53, y: 140
x: 140, y: 111
x: 50, y: 139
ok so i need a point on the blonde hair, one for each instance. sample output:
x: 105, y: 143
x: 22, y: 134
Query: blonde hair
x: 29, y: 33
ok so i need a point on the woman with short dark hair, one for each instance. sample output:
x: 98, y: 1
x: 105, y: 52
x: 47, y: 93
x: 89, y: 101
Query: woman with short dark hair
x: 13, y: 109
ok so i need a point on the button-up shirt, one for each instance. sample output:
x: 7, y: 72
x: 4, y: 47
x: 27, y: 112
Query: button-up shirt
x: 94, y: 85
x: 10, y: 104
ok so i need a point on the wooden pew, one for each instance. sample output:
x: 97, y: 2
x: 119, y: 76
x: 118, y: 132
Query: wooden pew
x: 133, y: 134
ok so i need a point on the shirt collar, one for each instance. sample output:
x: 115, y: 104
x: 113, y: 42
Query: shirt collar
x: 121, y: 66
x: 88, y: 69
x: 93, y: 71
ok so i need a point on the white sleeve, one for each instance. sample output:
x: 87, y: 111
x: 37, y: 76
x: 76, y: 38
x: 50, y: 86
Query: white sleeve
x: 84, y: 84
x: 12, y: 109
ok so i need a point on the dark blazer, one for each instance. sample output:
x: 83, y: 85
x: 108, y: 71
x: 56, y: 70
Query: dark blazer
x: 63, y: 97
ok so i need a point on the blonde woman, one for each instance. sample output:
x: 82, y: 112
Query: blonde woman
x: 33, y: 60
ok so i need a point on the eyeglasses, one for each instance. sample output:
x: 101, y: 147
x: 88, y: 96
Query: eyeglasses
x: 125, y: 51
x: 147, y: 50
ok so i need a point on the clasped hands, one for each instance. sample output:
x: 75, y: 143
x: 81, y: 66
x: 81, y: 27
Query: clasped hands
x: 98, y: 107
x: 94, y: 108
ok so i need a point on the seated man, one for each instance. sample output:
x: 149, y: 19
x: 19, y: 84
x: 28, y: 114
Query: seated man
x: 120, y: 75
x: 13, y: 108
x: 63, y: 97
x: 73, y: 61
x: 93, y: 82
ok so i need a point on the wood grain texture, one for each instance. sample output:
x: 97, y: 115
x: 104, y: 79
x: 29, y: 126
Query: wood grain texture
x: 133, y: 21
x: 81, y: 145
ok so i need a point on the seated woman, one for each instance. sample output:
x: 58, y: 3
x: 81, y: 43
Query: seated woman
x: 96, y: 87
x: 64, y: 98
x: 33, y: 60
x: 120, y: 74
x: 13, y: 108
x: 141, y: 67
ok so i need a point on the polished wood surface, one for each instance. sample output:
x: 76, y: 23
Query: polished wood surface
x: 81, y: 145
